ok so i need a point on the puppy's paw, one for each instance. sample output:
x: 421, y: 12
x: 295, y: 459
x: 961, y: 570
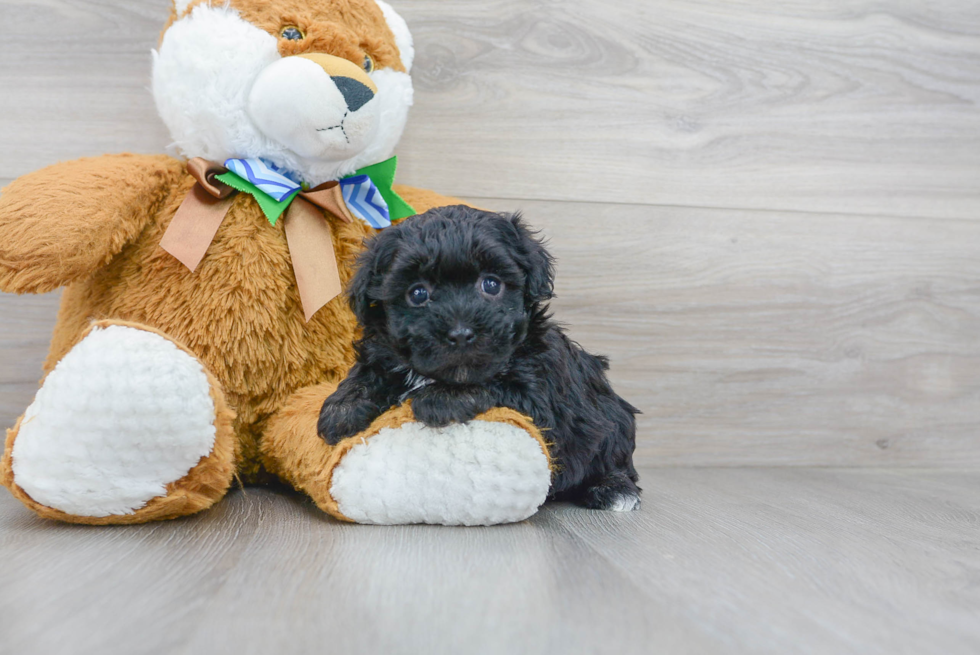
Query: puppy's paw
x: 438, y: 414
x: 612, y: 494
x: 341, y: 420
x: 438, y: 406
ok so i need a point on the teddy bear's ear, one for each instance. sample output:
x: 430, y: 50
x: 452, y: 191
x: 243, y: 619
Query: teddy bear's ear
x: 180, y: 6
x: 403, y: 37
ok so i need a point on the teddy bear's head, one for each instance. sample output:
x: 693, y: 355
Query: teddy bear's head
x: 319, y: 88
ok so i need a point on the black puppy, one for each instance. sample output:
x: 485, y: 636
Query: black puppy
x: 451, y: 302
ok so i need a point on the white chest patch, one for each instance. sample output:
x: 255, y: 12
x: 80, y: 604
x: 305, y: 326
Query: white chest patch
x: 414, y: 381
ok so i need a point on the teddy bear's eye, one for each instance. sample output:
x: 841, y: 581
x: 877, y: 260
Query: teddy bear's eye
x: 368, y: 64
x: 292, y: 33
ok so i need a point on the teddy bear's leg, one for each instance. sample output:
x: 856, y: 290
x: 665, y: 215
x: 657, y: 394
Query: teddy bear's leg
x: 129, y: 427
x: 292, y: 449
x: 494, y: 469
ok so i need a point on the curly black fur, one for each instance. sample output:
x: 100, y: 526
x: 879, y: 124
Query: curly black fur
x: 465, y: 351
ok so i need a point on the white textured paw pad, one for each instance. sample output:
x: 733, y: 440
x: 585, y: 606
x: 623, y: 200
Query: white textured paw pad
x: 479, y: 473
x: 122, y: 415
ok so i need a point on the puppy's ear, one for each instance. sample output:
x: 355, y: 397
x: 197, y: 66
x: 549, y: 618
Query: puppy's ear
x: 364, y: 290
x: 537, y: 263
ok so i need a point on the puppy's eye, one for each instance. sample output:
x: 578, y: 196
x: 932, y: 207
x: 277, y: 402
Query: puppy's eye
x: 292, y: 33
x: 492, y: 285
x: 368, y: 64
x: 418, y: 295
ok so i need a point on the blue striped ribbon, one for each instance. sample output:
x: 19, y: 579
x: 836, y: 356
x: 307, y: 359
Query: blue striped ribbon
x: 263, y: 175
x: 365, y: 201
x: 360, y: 193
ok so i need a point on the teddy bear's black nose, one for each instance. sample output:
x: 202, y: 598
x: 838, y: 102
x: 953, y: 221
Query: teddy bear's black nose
x: 355, y: 93
x: 460, y: 336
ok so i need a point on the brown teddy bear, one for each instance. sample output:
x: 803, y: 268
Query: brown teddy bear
x: 202, y: 324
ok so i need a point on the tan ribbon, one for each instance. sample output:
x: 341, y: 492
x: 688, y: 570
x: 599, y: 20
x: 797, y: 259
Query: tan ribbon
x: 308, y: 233
x: 198, y: 218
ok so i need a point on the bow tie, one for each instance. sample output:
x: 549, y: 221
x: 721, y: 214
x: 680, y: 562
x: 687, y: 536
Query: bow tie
x: 367, y: 195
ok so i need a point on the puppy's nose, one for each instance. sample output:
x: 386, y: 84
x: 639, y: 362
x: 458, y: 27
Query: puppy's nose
x: 460, y: 336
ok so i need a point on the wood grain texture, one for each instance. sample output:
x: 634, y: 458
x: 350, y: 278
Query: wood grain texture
x: 733, y: 561
x: 75, y: 79
x: 859, y: 107
x: 864, y: 107
x: 767, y: 338
x: 26, y: 324
x: 746, y: 338
x: 786, y: 337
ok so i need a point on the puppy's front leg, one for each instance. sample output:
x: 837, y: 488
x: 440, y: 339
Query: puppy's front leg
x: 362, y: 397
x: 437, y: 405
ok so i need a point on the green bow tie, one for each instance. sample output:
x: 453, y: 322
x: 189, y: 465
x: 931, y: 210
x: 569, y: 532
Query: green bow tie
x: 382, y: 175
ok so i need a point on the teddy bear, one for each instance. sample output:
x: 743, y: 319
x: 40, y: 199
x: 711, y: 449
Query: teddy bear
x: 203, y: 322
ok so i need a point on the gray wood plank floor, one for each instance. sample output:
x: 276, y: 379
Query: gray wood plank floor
x: 862, y: 107
x: 764, y: 336
x: 765, y: 213
x: 717, y: 561
x: 745, y: 337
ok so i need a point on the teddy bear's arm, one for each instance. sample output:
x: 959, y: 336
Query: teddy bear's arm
x: 63, y: 222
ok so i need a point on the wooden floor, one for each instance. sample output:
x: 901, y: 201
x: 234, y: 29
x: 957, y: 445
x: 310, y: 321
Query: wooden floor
x: 767, y: 214
x: 717, y: 561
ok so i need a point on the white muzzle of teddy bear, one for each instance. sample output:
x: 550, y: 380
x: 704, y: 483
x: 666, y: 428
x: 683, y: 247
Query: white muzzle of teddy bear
x: 319, y: 106
x: 224, y: 91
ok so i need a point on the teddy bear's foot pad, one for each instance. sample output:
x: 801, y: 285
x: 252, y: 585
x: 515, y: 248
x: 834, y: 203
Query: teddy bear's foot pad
x: 478, y: 473
x: 123, y: 415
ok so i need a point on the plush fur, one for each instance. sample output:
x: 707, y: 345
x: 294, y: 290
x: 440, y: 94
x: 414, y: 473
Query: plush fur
x: 479, y: 336
x: 220, y: 83
x: 94, y: 226
x: 200, y: 488
x: 383, y: 479
x: 403, y: 37
x: 77, y: 453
